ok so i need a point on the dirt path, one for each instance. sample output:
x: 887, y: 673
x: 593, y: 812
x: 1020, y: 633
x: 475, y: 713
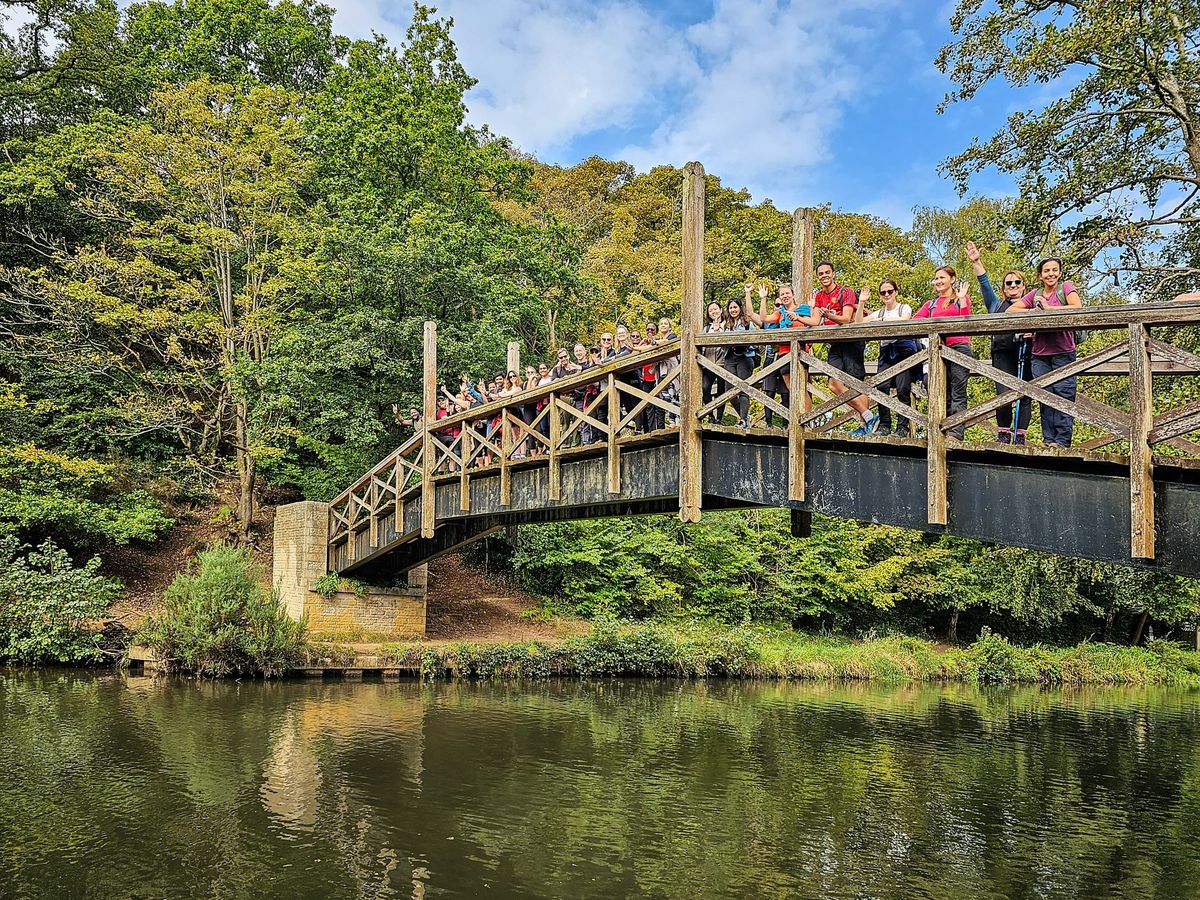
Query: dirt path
x: 464, y: 604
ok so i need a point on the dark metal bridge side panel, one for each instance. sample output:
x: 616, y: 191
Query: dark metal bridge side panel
x: 1068, y: 506
x: 646, y: 473
x: 880, y: 484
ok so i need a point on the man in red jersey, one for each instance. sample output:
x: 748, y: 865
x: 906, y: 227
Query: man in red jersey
x: 835, y: 305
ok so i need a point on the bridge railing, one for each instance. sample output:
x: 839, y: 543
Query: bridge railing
x: 1130, y: 414
x: 378, y: 493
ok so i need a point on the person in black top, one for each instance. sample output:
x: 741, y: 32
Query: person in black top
x: 1007, y: 349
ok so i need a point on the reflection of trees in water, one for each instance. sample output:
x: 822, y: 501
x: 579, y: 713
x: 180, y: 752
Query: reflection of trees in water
x: 164, y: 787
x: 744, y: 789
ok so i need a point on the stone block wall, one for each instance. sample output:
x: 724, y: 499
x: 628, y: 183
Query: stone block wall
x: 301, y: 543
x: 391, y: 613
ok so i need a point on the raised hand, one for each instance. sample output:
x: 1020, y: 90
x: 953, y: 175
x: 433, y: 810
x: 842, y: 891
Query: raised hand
x: 972, y: 252
x: 964, y: 293
x: 749, y: 288
x: 762, y: 291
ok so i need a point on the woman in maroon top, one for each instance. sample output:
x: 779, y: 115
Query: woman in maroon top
x: 948, y: 303
x: 1053, y: 349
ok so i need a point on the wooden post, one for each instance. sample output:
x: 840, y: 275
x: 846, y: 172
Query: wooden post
x: 429, y: 373
x: 1141, y: 460
x: 514, y: 357
x: 506, y: 450
x: 614, y: 450
x: 691, y: 473
x: 464, y: 480
x: 555, y: 441
x: 935, y: 437
x: 801, y: 522
x: 373, y: 522
x: 799, y: 390
x: 802, y: 254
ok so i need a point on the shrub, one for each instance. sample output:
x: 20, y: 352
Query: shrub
x: 47, y: 605
x: 221, y: 620
x: 996, y: 661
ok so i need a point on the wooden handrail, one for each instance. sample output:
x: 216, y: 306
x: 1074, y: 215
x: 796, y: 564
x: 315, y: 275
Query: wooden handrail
x: 596, y: 373
x: 1090, y: 317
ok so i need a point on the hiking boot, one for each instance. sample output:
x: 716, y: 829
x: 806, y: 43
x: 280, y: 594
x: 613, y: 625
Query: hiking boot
x: 1004, y: 436
x: 1020, y: 439
x: 871, y: 423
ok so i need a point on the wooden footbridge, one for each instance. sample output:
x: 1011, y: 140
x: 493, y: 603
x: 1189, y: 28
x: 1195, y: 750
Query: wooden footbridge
x: 1129, y: 492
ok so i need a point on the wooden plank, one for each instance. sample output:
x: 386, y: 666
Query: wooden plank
x: 565, y: 385
x: 513, y: 357
x: 1176, y: 422
x: 802, y: 254
x: 555, y: 490
x: 1081, y: 366
x: 691, y: 470
x: 1097, y: 318
x: 506, y: 449
x: 935, y: 440
x: 373, y: 526
x: 1141, y: 460
x: 1092, y: 411
x: 464, y: 480
x: 795, y: 429
x: 614, y: 451
x: 429, y: 376
x: 740, y: 386
x: 857, y: 388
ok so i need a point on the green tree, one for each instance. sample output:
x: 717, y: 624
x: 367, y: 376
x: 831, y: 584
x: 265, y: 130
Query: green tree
x: 1114, y: 163
x: 181, y: 301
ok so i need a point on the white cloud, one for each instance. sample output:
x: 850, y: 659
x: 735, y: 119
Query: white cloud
x: 757, y: 91
x: 775, y: 80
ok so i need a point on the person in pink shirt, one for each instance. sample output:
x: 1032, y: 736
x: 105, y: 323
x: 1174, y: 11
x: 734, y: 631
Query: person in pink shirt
x: 949, y: 303
x: 1053, y: 349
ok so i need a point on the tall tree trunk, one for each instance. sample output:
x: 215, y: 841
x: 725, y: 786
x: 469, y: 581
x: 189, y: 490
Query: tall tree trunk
x: 1141, y: 625
x: 246, y: 469
x: 952, y: 630
x: 1110, y: 618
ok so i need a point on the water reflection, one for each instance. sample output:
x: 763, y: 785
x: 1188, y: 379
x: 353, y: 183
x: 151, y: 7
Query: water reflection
x: 121, y: 786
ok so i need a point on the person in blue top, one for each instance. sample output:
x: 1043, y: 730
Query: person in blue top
x: 788, y: 314
x: 1010, y: 353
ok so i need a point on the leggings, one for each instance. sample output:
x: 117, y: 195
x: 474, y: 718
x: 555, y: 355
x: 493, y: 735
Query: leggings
x: 711, y: 381
x: 1006, y: 360
x: 740, y: 366
x: 956, y: 386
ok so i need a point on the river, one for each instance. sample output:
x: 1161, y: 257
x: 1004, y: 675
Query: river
x: 124, y: 786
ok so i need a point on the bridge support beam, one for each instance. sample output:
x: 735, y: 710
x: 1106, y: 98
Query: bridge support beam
x: 691, y: 470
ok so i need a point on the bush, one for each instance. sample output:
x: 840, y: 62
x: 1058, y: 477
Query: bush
x: 221, y: 620
x: 996, y: 661
x: 47, y: 605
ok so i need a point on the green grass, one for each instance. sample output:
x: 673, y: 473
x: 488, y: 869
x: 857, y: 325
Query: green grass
x: 700, y: 650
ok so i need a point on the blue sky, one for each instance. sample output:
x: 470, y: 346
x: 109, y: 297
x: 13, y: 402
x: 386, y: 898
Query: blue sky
x: 799, y: 101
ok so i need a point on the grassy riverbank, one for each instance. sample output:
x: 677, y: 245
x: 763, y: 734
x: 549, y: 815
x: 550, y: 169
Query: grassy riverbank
x: 697, y: 650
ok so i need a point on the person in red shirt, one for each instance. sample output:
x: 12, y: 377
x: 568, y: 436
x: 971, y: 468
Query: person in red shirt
x: 949, y: 303
x: 835, y: 305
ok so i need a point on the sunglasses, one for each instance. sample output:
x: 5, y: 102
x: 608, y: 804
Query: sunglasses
x: 1016, y: 283
x: 887, y: 293
x: 606, y: 340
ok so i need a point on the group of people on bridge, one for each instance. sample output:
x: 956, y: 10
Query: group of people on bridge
x: 832, y: 305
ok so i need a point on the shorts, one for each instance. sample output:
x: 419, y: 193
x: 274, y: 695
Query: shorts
x: 848, y: 356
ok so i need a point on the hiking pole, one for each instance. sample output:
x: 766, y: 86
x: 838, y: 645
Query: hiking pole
x: 1016, y: 421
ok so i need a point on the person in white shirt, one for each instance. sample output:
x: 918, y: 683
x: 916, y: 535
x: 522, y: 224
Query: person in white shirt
x: 892, y: 352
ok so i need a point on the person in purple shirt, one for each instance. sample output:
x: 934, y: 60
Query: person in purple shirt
x: 1053, y: 349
